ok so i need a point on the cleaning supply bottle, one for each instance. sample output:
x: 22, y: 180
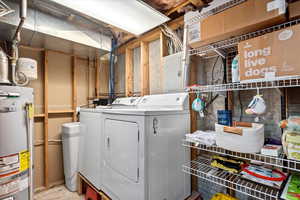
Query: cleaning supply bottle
x: 235, y: 70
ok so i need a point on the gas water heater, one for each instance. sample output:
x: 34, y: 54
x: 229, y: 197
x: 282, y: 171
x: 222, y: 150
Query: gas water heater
x: 16, y: 120
x: 16, y: 128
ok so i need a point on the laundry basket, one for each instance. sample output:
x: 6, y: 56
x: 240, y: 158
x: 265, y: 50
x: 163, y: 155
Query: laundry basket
x: 243, y: 137
x: 70, y: 139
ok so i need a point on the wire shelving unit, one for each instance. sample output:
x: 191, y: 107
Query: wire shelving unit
x: 229, y: 44
x: 280, y: 162
x: 226, y: 49
x: 293, y: 81
x: 214, y: 11
x: 201, y: 168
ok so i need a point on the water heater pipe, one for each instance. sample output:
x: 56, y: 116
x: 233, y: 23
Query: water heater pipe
x: 15, y: 50
x: 4, y: 74
x: 23, y: 15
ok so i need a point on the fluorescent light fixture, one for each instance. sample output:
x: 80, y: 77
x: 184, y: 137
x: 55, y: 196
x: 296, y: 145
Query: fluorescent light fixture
x: 132, y: 16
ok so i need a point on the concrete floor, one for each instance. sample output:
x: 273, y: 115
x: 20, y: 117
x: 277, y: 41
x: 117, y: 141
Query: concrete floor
x: 58, y: 193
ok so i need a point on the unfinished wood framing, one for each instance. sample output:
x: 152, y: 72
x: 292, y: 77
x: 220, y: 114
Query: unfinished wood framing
x: 89, y: 78
x: 163, y: 44
x: 74, y: 87
x: 24, y: 47
x: 230, y: 100
x: 129, y: 72
x: 196, y: 3
x: 64, y: 82
x: 145, y: 84
x: 163, y: 53
x: 97, y: 77
x: 104, y: 78
x: 144, y: 40
x: 46, y: 121
x: 193, y: 80
x: 150, y: 36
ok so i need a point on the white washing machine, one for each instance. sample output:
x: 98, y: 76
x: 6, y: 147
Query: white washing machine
x: 143, y: 155
x: 90, y: 155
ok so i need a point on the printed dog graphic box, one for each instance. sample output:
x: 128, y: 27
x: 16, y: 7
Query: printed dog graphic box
x: 271, y: 56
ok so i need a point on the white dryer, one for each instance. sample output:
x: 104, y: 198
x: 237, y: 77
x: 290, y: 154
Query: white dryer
x: 90, y: 155
x: 143, y: 155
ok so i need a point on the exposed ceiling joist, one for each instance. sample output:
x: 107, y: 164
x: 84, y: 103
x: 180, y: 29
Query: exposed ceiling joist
x: 169, y: 7
x: 195, y: 3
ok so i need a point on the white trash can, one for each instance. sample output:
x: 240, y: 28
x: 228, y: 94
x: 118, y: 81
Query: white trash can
x: 70, y: 140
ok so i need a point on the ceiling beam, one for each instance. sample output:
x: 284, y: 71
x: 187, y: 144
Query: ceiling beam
x: 196, y: 3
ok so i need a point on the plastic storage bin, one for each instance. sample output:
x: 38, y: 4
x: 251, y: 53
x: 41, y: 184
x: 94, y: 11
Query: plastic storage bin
x: 70, y: 139
x: 239, y: 138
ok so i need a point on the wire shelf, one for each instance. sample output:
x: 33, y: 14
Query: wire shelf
x: 293, y: 81
x: 228, y: 44
x: 4, y: 9
x: 214, y: 11
x: 201, y: 168
x: 280, y: 161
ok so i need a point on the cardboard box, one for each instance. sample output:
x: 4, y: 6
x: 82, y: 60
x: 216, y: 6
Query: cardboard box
x: 246, y: 17
x: 294, y: 10
x: 271, y: 56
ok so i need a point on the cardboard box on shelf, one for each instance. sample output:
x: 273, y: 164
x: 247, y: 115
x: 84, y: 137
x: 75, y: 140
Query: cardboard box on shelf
x: 270, y: 56
x: 246, y: 17
x: 294, y: 10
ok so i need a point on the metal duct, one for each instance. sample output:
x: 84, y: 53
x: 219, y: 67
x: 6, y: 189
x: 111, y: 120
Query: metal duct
x: 36, y: 30
x: 4, y: 75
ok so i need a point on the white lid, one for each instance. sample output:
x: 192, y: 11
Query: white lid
x: 71, y: 128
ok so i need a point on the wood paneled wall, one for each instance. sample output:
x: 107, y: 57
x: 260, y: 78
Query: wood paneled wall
x: 65, y: 81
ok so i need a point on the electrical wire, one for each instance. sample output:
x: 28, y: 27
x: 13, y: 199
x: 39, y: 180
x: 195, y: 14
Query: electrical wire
x: 211, y: 98
x: 213, y: 70
x: 175, y: 40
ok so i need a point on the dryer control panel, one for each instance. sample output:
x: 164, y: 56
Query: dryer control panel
x: 176, y: 101
x: 127, y: 101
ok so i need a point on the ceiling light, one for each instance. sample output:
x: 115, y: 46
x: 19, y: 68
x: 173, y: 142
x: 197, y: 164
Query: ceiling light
x: 132, y: 16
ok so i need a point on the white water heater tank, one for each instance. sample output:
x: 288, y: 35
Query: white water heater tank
x: 14, y: 143
x: 28, y: 67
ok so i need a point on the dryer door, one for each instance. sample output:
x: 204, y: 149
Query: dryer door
x: 121, y: 163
